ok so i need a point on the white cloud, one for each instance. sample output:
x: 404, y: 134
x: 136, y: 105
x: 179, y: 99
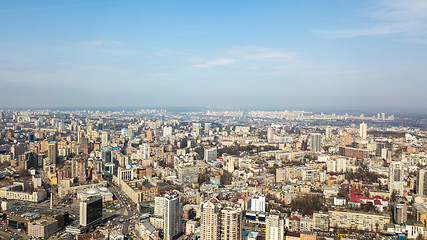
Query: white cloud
x: 215, y: 63
x: 408, y: 17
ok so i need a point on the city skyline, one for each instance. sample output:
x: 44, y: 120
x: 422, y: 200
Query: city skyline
x: 365, y: 54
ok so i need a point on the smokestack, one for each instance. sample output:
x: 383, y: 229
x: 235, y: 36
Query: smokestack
x: 51, y: 200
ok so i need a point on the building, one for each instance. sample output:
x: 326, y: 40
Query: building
x: 270, y: 135
x: 220, y: 222
x: 363, y: 130
x: 52, y: 152
x: 396, y: 177
x: 400, y: 212
x: 357, y: 220
x: 90, y: 211
x: 188, y: 174
x: 315, y: 143
x: 231, y: 223
x: 274, y: 226
x: 42, y: 228
x: 169, y: 209
x: 422, y: 182
x: 210, y: 220
x: 210, y: 155
x: 258, y: 203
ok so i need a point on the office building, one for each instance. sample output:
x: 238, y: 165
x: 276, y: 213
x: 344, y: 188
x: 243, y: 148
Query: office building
x: 168, y: 209
x: 90, y: 211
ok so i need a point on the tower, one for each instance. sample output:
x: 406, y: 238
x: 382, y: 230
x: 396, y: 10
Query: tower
x: 422, y: 182
x: 52, y: 152
x: 270, y: 135
x: 169, y: 208
x: 231, y: 223
x: 396, y: 177
x: 220, y: 222
x: 210, y: 221
x: 363, y: 130
x: 315, y: 143
x: 90, y: 211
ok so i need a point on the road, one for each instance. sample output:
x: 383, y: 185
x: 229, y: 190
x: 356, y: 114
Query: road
x: 129, y: 212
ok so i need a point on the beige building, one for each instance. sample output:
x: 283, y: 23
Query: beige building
x: 218, y: 222
x: 275, y: 226
x: 42, y: 228
x: 358, y: 220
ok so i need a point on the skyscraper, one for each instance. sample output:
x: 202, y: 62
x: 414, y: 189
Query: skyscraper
x: 90, y: 211
x: 275, y: 226
x: 220, y: 222
x: 396, y: 177
x: 270, y: 135
x: 170, y: 208
x: 422, y: 182
x: 52, y: 152
x: 210, y: 221
x: 363, y: 131
x: 231, y: 223
x: 315, y: 143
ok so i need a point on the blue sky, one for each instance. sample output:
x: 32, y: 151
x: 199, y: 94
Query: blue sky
x: 289, y: 54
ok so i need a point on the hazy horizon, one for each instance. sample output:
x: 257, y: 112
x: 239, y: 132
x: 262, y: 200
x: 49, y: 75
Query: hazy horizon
x: 244, y: 54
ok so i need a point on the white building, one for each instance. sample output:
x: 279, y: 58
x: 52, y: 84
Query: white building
x: 258, y: 203
x: 275, y: 227
x: 363, y: 130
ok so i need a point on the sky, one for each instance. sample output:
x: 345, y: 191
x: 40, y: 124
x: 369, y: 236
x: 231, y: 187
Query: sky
x: 256, y: 54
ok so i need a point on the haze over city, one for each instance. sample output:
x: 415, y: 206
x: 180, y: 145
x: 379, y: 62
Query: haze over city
x: 254, y: 54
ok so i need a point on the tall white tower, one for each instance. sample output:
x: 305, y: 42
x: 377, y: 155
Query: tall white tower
x: 363, y: 131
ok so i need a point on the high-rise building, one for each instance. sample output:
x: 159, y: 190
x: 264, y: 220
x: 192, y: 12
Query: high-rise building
x: 422, y: 182
x: 363, y: 131
x: 270, y: 135
x: 396, y: 177
x: 210, y: 155
x: 169, y: 208
x: 105, y: 138
x: 400, y: 212
x: 52, y: 152
x: 210, y: 221
x: 328, y: 132
x: 231, y: 223
x: 275, y: 226
x: 167, y: 131
x: 220, y: 222
x: 315, y: 142
x: 78, y: 169
x: 258, y: 203
x: 90, y: 211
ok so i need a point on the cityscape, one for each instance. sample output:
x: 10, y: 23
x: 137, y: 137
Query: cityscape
x: 213, y: 174
x: 213, y: 120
